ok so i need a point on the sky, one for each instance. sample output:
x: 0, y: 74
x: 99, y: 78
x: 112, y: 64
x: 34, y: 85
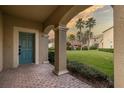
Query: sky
x: 103, y: 15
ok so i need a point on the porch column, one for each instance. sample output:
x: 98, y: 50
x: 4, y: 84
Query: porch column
x: 44, y: 48
x: 1, y: 43
x: 119, y: 46
x: 60, y: 50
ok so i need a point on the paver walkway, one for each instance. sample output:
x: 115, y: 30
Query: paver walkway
x: 38, y: 76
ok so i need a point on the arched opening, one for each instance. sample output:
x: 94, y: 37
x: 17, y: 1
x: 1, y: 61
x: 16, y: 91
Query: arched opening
x: 51, y: 46
x: 118, y: 44
x: 93, y: 62
x: 51, y: 38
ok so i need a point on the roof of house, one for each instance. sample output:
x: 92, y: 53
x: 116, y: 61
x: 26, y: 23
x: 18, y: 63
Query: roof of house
x: 107, y: 29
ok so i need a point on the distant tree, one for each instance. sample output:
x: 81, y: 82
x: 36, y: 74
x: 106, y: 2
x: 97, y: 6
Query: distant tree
x: 79, y: 36
x: 72, y: 38
x: 90, y: 23
x: 68, y: 46
x: 85, y: 38
x: 79, y: 25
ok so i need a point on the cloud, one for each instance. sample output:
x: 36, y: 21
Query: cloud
x: 84, y: 15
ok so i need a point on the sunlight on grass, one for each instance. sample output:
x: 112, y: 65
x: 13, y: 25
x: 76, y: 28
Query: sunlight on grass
x: 102, y: 61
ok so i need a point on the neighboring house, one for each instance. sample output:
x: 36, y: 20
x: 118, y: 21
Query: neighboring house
x: 51, y: 38
x: 94, y: 40
x: 107, y: 39
x: 75, y: 44
x: 51, y: 43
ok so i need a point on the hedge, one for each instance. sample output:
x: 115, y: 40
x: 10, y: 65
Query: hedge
x: 87, y: 71
x: 51, y: 57
x: 84, y: 70
x: 106, y: 50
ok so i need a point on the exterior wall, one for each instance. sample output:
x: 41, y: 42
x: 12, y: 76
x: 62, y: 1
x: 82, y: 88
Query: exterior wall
x: 1, y: 43
x: 9, y: 23
x: 16, y: 44
x: 108, y: 39
x: 119, y: 46
x: 101, y: 44
x: 92, y: 41
x: 100, y: 41
x: 44, y: 48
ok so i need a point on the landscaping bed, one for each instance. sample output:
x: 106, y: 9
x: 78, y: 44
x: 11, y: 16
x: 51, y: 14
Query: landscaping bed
x: 90, y: 75
x: 93, y: 66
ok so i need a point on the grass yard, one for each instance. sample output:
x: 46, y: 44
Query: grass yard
x: 102, y: 61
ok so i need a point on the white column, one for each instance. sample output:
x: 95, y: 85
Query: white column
x: 1, y: 43
x: 60, y: 51
x: 44, y: 48
x: 119, y: 46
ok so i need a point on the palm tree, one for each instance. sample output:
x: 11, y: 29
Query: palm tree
x: 79, y: 36
x: 90, y: 23
x: 79, y: 25
x: 71, y: 38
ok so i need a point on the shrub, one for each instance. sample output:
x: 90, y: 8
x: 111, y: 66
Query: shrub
x: 78, y: 48
x: 51, y: 49
x: 86, y: 71
x: 69, y: 48
x: 106, y: 50
x: 94, y: 47
x: 51, y: 57
x: 85, y: 48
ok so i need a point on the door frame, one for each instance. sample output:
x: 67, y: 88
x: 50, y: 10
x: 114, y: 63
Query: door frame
x: 16, y: 44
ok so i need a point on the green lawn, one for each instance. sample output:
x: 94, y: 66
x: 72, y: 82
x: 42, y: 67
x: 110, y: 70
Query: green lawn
x: 102, y: 61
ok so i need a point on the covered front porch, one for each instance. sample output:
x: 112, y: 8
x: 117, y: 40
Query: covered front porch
x: 38, y: 76
x: 39, y: 20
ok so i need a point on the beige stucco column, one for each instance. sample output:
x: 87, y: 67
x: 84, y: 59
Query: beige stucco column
x: 44, y: 48
x: 119, y: 46
x: 1, y: 42
x: 60, y: 50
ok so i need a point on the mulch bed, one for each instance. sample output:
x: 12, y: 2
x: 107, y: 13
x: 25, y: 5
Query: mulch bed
x: 93, y: 82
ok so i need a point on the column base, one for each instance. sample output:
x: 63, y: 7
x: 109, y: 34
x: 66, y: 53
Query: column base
x: 45, y: 62
x: 60, y: 72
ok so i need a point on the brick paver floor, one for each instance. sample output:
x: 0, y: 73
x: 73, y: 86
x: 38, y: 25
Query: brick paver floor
x: 38, y: 76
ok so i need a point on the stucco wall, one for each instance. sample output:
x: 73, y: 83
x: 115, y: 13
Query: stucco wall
x: 8, y: 26
x: 44, y: 48
x: 119, y: 46
x: 1, y: 43
x: 108, y: 39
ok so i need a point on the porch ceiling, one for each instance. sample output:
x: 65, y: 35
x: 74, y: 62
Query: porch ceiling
x: 37, y: 13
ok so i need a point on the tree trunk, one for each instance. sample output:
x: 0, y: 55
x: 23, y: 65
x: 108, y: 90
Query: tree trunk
x: 81, y: 46
x: 89, y: 39
x: 80, y: 40
x: 88, y: 44
x: 73, y: 45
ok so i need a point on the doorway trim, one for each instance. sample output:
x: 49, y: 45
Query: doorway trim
x: 16, y: 44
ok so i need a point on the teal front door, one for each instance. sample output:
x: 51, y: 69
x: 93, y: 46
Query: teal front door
x: 26, y: 48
